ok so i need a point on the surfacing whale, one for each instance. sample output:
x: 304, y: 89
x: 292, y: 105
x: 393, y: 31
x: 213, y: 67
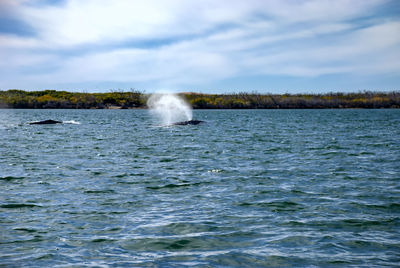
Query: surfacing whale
x: 45, y: 122
x: 189, y: 122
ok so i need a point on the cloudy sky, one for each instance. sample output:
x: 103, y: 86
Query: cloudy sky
x: 200, y: 45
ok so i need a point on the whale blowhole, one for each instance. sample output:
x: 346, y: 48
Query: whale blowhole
x: 169, y: 108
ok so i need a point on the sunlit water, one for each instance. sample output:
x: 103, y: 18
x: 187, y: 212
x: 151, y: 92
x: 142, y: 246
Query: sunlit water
x: 249, y: 188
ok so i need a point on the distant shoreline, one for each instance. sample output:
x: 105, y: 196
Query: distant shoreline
x: 52, y: 99
x: 222, y: 109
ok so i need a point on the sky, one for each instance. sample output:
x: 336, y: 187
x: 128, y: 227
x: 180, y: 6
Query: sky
x: 209, y: 46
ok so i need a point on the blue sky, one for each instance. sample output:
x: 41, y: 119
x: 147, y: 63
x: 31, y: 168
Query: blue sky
x: 276, y: 46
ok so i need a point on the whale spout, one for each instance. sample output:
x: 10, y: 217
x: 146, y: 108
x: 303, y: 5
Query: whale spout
x: 45, y: 122
x: 189, y: 122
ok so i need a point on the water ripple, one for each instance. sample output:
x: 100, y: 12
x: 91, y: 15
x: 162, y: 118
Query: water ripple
x: 260, y: 188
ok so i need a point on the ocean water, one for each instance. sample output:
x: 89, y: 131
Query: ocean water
x: 247, y: 188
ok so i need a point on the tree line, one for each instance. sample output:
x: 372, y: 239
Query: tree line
x: 366, y: 99
x: 53, y: 99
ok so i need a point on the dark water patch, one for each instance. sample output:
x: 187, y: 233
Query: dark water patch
x: 11, y: 206
x: 339, y: 263
x: 240, y: 259
x: 117, y: 212
x: 97, y: 173
x: 356, y: 224
x: 11, y: 178
x: 202, y: 242
x: 172, y: 185
x: 34, y: 239
x: 298, y: 192
x: 114, y: 229
x: 295, y: 241
x: 89, y: 213
x: 368, y: 223
x: 28, y: 230
x: 187, y: 227
x: 106, y: 191
x: 349, y: 177
x: 161, y: 244
x: 390, y: 207
x: 369, y: 246
x: 293, y: 224
x: 133, y: 181
x: 167, y: 160
x: 182, y: 228
x: 102, y: 240
x: 278, y: 206
x: 333, y: 148
x: 123, y: 175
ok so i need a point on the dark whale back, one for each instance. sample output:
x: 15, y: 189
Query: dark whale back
x: 45, y: 122
x: 190, y: 122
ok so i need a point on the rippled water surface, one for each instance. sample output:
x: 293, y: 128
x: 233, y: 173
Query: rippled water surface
x: 249, y: 188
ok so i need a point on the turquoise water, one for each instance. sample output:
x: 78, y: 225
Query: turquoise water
x: 248, y: 188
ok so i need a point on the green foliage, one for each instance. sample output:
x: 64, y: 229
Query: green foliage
x: 253, y: 100
x: 15, y: 98
x: 69, y: 100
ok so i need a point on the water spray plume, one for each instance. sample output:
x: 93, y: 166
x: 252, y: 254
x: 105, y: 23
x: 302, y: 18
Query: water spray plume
x: 169, y: 108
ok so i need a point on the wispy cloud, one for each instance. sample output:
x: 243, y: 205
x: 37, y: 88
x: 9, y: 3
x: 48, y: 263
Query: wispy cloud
x: 180, y: 44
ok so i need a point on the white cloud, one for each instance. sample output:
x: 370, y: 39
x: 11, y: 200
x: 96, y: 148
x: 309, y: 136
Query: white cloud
x: 368, y: 50
x: 14, y: 41
x: 79, y: 22
x: 211, y: 40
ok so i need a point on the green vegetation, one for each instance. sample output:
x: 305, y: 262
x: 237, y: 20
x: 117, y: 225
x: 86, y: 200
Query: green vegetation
x: 51, y: 99
x: 135, y: 99
x: 298, y: 101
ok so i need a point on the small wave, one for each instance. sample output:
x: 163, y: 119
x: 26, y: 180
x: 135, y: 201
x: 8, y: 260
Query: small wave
x: 193, y: 241
x: 215, y: 171
x: 295, y: 240
x: 171, y: 185
x: 36, y: 238
x: 25, y: 230
x: 71, y: 122
x: 242, y: 259
x: 392, y: 207
x: 19, y: 206
x: 11, y: 178
x: 275, y: 205
x: 107, y: 191
x: 102, y: 239
x: 350, y: 224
